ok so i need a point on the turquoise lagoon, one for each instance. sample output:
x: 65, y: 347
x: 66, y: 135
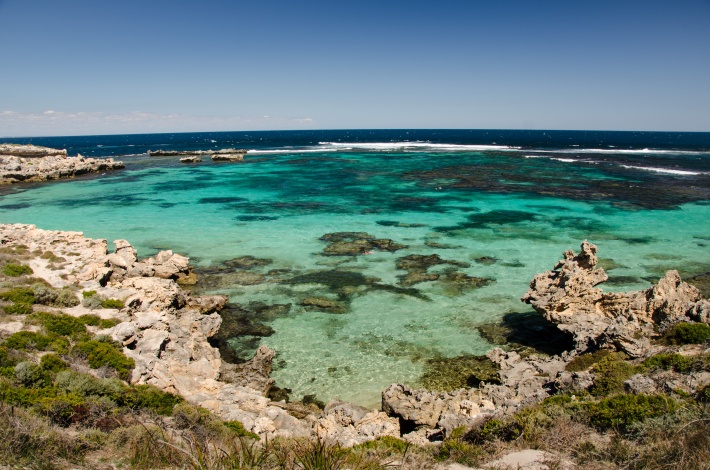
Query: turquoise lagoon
x: 503, y: 209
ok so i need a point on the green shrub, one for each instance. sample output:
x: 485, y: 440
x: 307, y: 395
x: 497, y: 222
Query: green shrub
x: 24, y: 340
x: 461, y: 452
x: 6, y: 360
x: 62, y: 409
x: 30, y: 375
x: 18, y: 308
x: 386, y: 443
x: 53, y: 363
x: 16, y: 270
x: 149, y: 397
x: 623, y: 410
x: 66, y: 298
x: 610, y: 374
x: 85, y: 385
x: 585, y: 361
x: 668, y: 361
x: 494, y: 430
x: 88, y: 293
x: 103, y: 353
x: 95, y: 320
x: 688, y: 333
x: 92, y: 302
x: 60, y: 324
x: 112, y: 303
x: 23, y: 295
x: 238, y: 428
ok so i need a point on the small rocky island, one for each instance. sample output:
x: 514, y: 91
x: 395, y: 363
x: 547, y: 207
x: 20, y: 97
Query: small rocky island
x: 25, y: 163
x: 77, y: 318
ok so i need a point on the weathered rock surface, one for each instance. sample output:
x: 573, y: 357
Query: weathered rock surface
x: 192, y: 159
x: 20, y: 163
x: 567, y: 297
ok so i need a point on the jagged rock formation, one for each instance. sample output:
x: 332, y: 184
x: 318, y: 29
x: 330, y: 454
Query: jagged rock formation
x: 567, y: 297
x: 20, y: 163
x: 193, y: 159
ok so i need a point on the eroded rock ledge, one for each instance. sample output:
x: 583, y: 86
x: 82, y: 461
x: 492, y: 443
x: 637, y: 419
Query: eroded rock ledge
x: 20, y: 163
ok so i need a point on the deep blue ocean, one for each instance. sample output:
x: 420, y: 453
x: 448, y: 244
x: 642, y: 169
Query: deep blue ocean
x: 496, y: 206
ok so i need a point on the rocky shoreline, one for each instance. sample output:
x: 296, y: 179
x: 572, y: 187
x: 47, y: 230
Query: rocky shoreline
x: 166, y: 331
x: 26, y: 163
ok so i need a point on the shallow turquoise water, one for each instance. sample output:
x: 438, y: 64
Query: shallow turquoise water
x: 278, y: 205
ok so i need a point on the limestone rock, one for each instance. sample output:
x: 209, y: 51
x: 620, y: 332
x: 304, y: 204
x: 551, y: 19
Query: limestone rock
x: 253, y: 373
x: 640, y: 384
x: 192, y: 159
x: 568, y: 297
x: 20, y: 163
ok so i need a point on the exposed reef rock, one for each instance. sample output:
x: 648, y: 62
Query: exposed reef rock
x: 193, y: 159
x: 356, y: 243
x: 175, y: 153
x: 417, y: 267
x: 24, y: 163
x: 567, y: 297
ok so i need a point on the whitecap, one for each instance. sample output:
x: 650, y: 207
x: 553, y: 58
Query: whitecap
x: 664, y: 170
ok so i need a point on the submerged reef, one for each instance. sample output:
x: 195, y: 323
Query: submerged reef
x: 356, y: 243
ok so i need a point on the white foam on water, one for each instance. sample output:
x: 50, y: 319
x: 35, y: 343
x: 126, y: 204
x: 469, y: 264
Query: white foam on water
x: 290, y: 151
x: 664, y: 170
x: 392, y: 146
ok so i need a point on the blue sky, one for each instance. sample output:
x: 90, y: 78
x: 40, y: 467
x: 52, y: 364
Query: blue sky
x: 97, y: 67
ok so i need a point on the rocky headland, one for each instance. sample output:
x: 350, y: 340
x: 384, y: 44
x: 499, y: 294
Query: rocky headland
x: 24, y: 163
x: 165, y: 332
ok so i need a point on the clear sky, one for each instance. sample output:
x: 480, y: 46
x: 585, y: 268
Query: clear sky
x: 75, y: 67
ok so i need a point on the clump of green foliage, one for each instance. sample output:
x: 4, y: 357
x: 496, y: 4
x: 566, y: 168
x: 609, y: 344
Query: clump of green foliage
x: 112, y: 303
x: 46, y: 295
x: 676, y: 362
x: 610, y: 374
x: 60, y: 324
x: 16, y: 270
x: 23, y: 295
x: 95, y: 320
x: 688, y: 333
x: 93, y: 300
x: 28, y: 340
x: 18, y: 309
x: 53, y: 363
x: 585, y: 361
x: 620, y: 411
x: 101, y: 353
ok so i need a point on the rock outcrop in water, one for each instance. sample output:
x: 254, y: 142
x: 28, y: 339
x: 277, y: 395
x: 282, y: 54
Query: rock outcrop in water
x: 568, y: 297
x: 21, y: 163
x: 192, y: 156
